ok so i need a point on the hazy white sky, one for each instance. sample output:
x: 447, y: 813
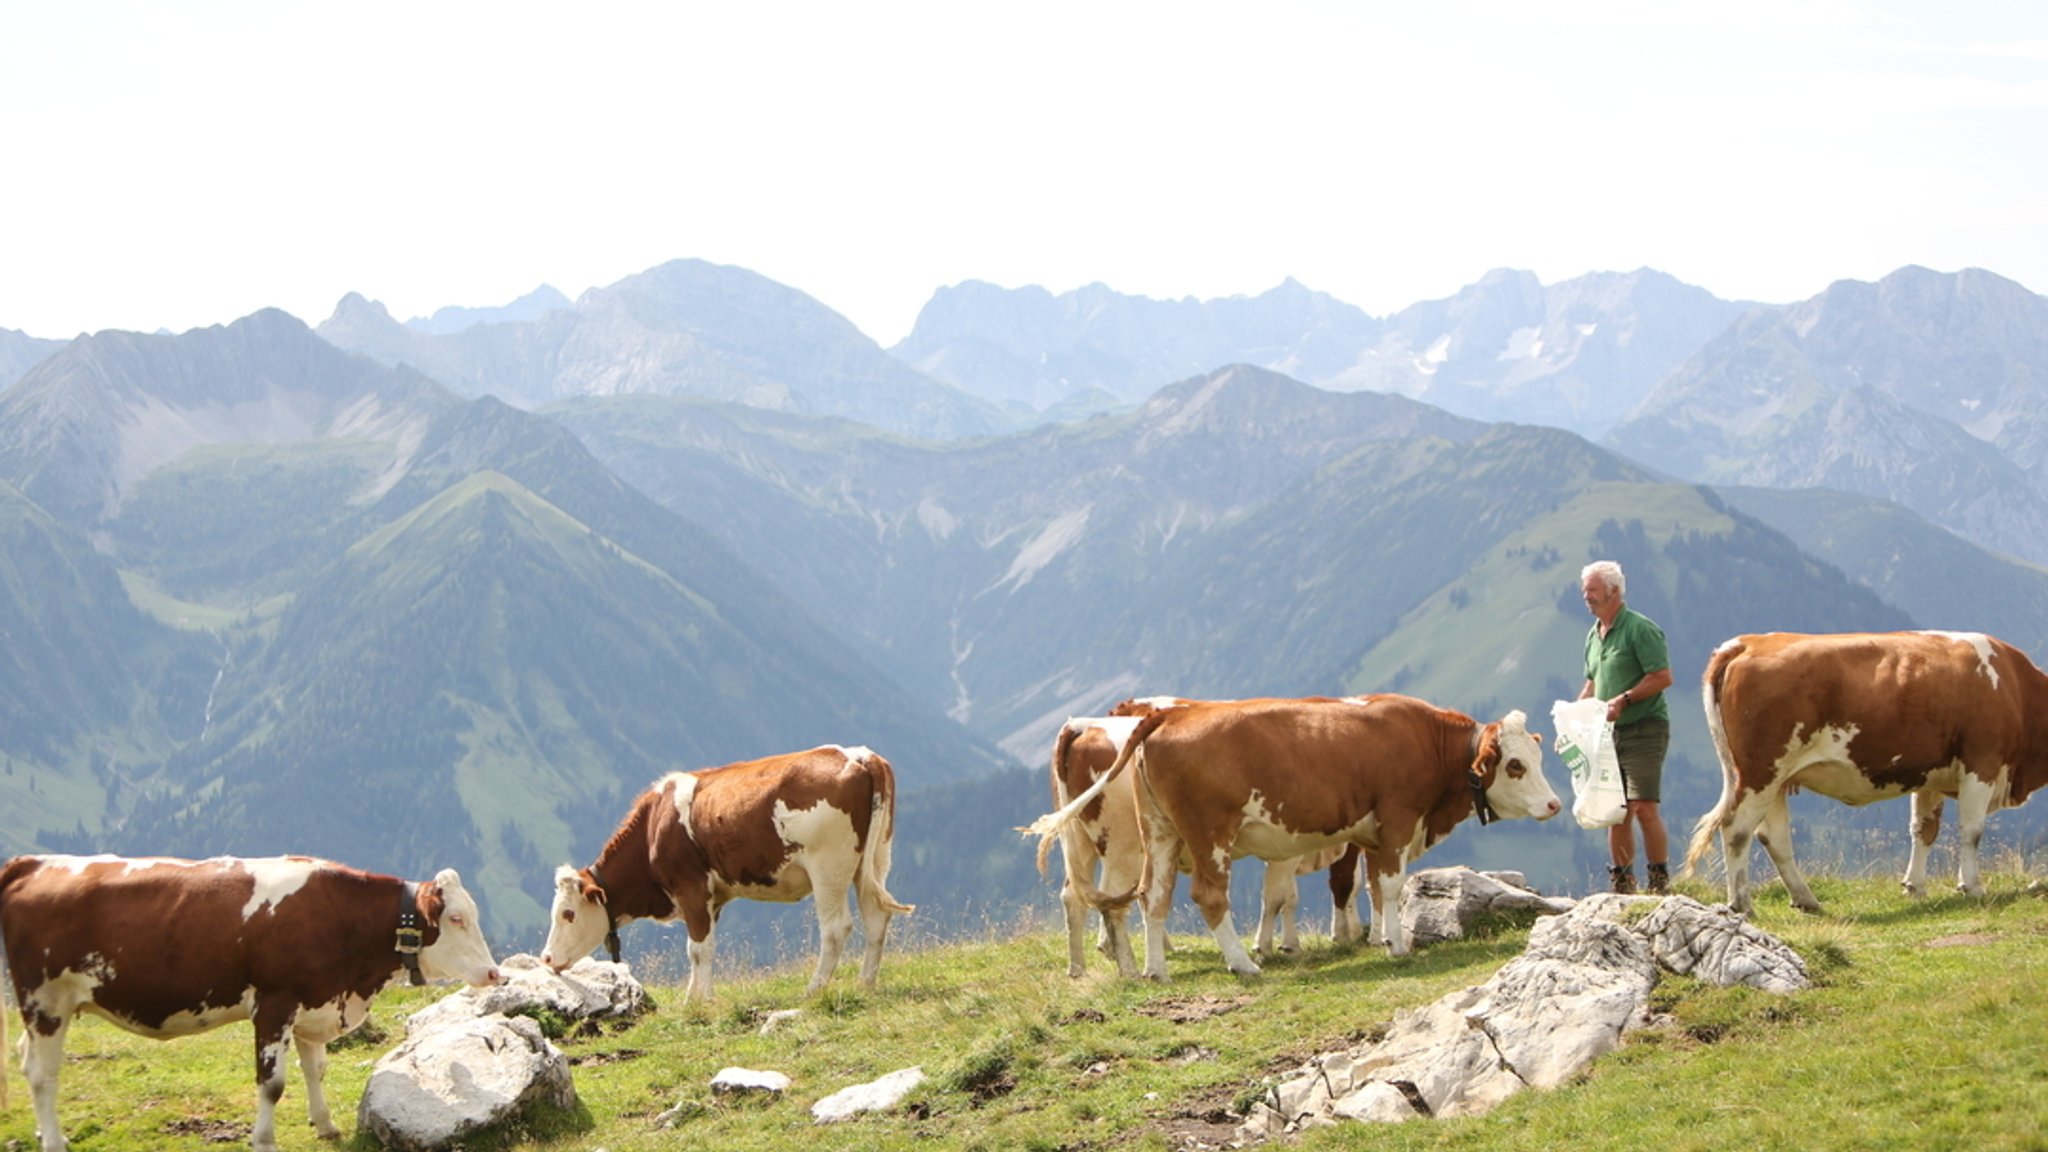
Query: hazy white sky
x: 173, y: 165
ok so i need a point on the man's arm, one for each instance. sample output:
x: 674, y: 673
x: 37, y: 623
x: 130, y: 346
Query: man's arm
x: 1650, y: 685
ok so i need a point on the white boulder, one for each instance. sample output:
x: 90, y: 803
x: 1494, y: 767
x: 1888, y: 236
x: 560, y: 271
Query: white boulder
x: 441, y: 1084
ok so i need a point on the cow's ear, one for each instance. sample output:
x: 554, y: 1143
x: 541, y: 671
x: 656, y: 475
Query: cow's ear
x: 1489, y: 749
x: 433, y: 901
x: 592, y: 892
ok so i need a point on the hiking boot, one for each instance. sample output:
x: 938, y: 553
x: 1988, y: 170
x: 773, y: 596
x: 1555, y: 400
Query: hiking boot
x: 1660, y: 880
x: 1622, y: 880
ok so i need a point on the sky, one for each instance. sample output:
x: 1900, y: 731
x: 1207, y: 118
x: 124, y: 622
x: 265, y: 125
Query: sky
x: 172, y: 165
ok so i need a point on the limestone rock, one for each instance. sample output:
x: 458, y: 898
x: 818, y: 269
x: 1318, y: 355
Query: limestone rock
x: 441, y: 1084
x: 590, y: 988
x: 1446, y: 903
x: 1582, y: 983
x: 732, y: 1081
x: 874, y: 1096
x: 1719, y: 946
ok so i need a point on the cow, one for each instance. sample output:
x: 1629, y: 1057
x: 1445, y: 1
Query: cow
x: 167, y: 948
x: 776, y: 829
x: 1279, y: 779
x: 1100, y: 848
x: 1863, y: 717
x: 1103, y: 850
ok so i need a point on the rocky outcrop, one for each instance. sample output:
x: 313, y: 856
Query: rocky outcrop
x: 1581, y: 985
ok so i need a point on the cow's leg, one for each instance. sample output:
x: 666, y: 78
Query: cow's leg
x: 1371, y: 866
x: 1114, y: 937
x: 1278, y: 902
x: 1116, y: 940
x: 1735, y: 862
x: 1209, y: 886
x: 1776, y: 835
x: 700, y: 920
x: 1738, y: 830
x: 1926, y: 828
x: 1344, y: 925
x: 42, y: 1055
x: 829, y: 883
x: 1386, y: 876
x: 273, y: 1020
x: 1973, y: 808
x: 1077, y: 911
x: 1123, y: 870
x: 702, y: 953
x: 1081, y: 861
x: 875, y: 914
x: 313, y: 1066
x: 1162, y: 853
x: 1290, y: 909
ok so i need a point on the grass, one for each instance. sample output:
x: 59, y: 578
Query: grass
x: 1928, y: 1028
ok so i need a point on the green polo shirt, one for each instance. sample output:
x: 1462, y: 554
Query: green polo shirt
x: 1631, y: 650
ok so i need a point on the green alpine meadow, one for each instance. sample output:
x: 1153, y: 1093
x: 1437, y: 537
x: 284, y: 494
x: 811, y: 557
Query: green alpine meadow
x: 1923, y: 1029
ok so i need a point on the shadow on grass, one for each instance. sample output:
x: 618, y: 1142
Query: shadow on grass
x: 1910, y: 909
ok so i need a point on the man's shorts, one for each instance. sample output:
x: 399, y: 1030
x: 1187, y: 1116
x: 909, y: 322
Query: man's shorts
x: 1640, y: 747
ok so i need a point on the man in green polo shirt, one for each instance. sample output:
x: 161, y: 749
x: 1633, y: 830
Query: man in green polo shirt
x: 1628, y: 666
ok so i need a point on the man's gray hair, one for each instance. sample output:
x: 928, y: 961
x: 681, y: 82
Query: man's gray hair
x: 1609, y: 573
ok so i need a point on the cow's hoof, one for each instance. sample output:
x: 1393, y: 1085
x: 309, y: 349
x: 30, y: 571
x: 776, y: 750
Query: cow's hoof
x: 1912, y: 891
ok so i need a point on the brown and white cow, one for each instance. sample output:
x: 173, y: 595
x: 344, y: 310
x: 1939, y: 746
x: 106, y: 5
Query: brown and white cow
x: 776, y: 829
x: 1864, y: 717
x: 1279, y: 779
x: 168, y: 948
x: 1104, y: 853
x: 1101, y: 847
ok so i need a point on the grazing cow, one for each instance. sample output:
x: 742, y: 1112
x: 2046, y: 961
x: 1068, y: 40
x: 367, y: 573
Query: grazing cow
x: 776, y: 829
x: 168, y: 948
x: 1864, y: 717
x: 1278, y: 779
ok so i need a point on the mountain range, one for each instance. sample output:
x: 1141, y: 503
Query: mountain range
x: 449, y: 592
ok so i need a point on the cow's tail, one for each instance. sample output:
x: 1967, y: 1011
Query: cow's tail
x: 1069, y: 845
x: 1048, y: 826
x: 1071, y: 836
x: 874, y: 863
x: 1712, y: 681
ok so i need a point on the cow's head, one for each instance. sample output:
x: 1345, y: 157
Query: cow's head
x: 1510, y: 766
x: 453, y: 945
x: 578, y: 922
